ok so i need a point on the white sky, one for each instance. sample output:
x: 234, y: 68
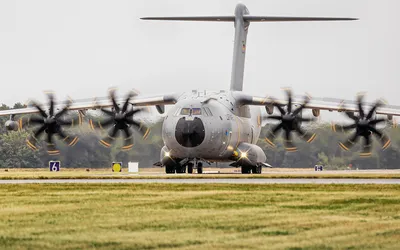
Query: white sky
x: 81, y: 48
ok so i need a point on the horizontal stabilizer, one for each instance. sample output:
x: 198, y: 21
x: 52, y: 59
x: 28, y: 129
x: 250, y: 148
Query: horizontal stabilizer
x: 192, y: 18
x: 293, y: 19
x: 249, y: 18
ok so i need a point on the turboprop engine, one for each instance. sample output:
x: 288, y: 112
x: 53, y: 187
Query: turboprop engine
x: 11, y: 125
x: 249, y: 155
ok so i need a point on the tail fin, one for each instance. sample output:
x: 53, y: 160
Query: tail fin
x: 242, y: 21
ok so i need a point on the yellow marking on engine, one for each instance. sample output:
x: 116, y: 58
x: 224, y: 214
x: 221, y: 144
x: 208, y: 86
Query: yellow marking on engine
x: 312, y: 138
x: 343, y: 146
x: 235, y: 153
x: 259, y: 120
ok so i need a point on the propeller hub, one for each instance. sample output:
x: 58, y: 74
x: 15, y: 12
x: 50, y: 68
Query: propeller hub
x: 119, y: 117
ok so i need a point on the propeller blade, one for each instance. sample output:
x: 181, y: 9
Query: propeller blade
x: 64, y: 110
x: 350, y: 142
x: 306, y: 119
x: 52, y: 149
x: 31, y: 142
x: 275, y: 117
x: 366, y: 148
x: 289, y: 146
x: 376, y: 121
x: 108, y: 112
x: 112, y: 97
x: 342, y: 128
x: 352, y: 116
x: 302, y: 106
x: 36, y: 120
x: 107, y: 141
x: 271, y: 134
x: 41, y: 111
x: 306, y: 136
x: 279, y: 107
x: 383, y: 139
x: 69, y: 140
x: 128, y: 142
x: 39, y: 131
x: 360, y: 107
x: 372, y: 111
x: 126, y: 103
x: 133, y: 112
x: 51, y: 103
x: 289, y: 96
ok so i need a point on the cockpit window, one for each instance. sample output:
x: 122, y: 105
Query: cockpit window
x: 185, y: 111
x: 196, y: 111
x: 189, y: 111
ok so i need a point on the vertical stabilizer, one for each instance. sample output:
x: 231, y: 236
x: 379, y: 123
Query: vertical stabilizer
x: 239, y: 47
x: 241, y: 21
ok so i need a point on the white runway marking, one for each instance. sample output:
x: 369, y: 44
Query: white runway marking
x: 205, y: 181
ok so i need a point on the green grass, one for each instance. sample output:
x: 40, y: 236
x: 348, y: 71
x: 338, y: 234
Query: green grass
x: 205, y: 216
x: 154, y: 173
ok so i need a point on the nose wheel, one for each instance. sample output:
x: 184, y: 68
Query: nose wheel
x: 199, y: 167
x: 190, y: 167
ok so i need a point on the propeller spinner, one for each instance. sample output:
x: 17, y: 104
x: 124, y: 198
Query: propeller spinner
x: 120, y: 119
x: 364, y: 126
x: 289, y: 121
x: 51, y: 123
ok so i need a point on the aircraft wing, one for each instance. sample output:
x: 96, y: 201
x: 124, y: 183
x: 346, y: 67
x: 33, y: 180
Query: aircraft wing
x: 329, y: 104
x: 97, y: 103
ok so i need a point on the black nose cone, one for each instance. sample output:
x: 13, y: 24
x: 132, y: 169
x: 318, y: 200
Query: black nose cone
x: 189, y: 133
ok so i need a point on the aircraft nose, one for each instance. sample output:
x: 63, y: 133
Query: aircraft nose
x: 189, y: 132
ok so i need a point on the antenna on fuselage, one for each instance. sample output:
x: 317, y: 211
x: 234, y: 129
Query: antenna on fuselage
x: 242, y: 19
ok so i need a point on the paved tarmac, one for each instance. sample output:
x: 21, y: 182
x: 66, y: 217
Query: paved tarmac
x: 205, y: 181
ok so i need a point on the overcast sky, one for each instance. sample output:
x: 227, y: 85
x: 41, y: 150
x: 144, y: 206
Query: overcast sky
x: 81, y: 48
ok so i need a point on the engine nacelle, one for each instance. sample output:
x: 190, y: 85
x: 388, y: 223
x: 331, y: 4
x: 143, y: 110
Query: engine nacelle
x: 316, y: 112
x: 249, y: 155
x: 269, y: 108
x: 11, y: 125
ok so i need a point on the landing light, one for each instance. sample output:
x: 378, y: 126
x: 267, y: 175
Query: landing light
x: 167, y: 154
x: 243, y: 155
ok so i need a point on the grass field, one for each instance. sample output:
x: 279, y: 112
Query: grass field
x: 166, y: 216
x: 156, y: 173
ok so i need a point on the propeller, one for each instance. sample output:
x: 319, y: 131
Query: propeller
x: 52, y: 123
x: 364, y: 126
x: 120, y: 119
x: 289, y: 122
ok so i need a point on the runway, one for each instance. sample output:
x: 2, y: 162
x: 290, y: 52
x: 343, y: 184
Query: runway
x: 206, y: 181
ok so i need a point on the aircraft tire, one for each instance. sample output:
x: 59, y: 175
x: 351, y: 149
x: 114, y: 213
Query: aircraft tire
x: 190, y: 168
x: 257, y: 170
x: 199, y: 167
x: 246, y: 170
x: 180, y: 169
x: 170, y: 169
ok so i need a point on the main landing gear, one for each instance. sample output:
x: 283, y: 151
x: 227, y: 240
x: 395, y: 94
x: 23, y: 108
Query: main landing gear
x: 249, y: 170
x: 181, y: 169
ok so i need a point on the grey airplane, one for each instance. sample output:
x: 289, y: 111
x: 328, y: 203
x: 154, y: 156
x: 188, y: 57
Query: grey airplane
x: 210, y: 126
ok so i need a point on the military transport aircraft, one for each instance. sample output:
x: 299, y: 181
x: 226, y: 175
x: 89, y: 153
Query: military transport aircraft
x: 207, y: 126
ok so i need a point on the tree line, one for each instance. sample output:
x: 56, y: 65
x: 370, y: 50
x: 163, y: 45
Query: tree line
x: 89, y: 153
